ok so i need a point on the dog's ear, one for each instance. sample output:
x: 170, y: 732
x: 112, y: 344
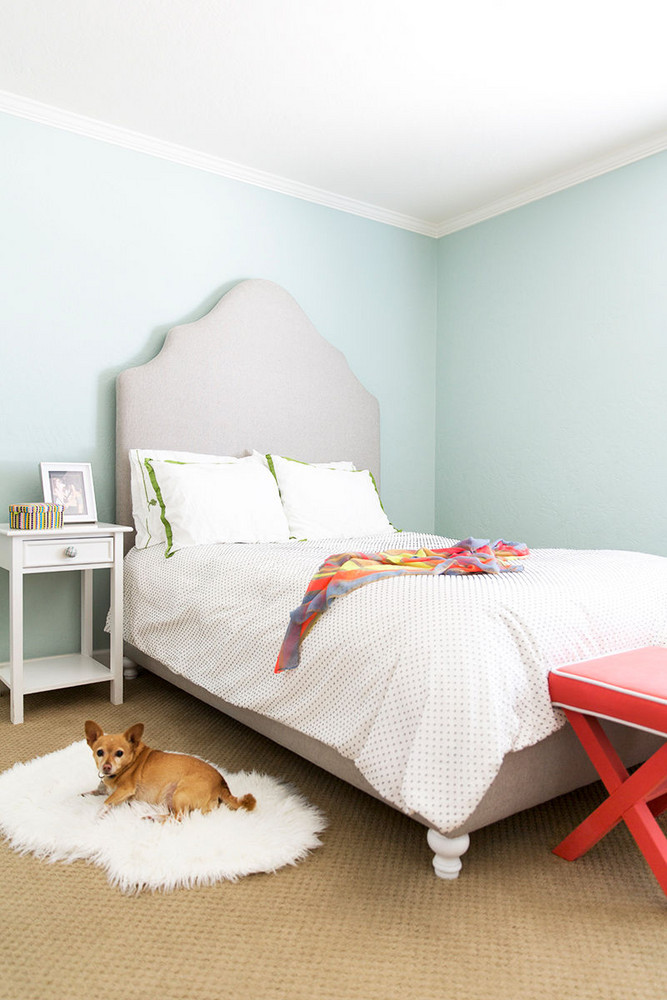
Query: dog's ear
x: 93, y: 732
x: 134, y: 733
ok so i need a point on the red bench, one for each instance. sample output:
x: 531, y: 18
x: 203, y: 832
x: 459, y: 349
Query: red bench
x: 630, y: 688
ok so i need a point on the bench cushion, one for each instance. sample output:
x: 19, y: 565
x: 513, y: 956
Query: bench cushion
x: 628, y: 687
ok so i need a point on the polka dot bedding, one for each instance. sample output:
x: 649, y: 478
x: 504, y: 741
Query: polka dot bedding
x: 426, y: 683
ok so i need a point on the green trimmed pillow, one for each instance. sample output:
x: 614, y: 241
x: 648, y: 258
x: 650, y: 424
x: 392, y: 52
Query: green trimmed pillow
x: 326, y: 502
x: 145, y: 507
x: 202, y: 503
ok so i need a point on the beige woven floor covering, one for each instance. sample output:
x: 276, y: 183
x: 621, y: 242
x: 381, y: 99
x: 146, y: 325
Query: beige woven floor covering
x: 362, y: 918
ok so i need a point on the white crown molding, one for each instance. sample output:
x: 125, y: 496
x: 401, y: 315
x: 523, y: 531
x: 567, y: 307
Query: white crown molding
x: 559, y: 182
x: 47, y: 114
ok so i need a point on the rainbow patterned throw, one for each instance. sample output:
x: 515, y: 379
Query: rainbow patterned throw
x: 346, y: 571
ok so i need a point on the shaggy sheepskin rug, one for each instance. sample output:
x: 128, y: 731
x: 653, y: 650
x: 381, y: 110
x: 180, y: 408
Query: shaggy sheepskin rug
x: 43, y: 812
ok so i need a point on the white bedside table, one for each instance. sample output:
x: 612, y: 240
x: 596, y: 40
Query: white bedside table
x: 83, y: 547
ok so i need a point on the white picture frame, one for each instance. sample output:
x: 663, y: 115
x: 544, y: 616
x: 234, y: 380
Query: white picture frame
x: 71, y: 484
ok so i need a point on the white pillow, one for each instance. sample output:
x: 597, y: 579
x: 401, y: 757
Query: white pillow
x: 328, y: 503
x: 145, y: 507
x: 206, y: 502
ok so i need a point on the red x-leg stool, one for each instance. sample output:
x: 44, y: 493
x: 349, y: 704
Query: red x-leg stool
x: 630, y: 688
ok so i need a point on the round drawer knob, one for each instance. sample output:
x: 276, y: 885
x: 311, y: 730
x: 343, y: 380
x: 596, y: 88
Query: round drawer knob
x: 70, y: 551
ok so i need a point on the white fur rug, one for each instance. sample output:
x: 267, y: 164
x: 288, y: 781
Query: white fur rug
x: 42, y: 812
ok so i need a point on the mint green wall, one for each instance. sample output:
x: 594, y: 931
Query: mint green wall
x: 552, y: 353
x: 542, y: 334
x: 104, y: 249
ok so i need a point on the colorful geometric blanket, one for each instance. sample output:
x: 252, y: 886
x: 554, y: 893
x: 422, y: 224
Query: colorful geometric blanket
x: 346, y: 571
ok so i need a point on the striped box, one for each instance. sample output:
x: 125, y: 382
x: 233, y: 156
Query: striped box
x: 35, y: 516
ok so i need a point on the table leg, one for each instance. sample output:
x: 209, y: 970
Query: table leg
x: 87, y: 612
x: 16, y: 638
x: 116, y: 623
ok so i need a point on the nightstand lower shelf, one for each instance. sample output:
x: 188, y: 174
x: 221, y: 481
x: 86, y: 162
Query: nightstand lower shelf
x: 48, y: 673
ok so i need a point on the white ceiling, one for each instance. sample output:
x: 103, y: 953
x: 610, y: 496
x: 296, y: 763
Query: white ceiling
x: 428, y: 113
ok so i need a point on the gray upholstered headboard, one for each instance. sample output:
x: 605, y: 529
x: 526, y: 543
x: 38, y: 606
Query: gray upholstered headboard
x: 253, y: 373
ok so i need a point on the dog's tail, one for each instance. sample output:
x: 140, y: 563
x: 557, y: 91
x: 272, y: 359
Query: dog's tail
x: 225, y: 797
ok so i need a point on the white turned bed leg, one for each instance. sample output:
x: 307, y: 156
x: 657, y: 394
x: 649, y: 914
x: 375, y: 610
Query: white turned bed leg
x: 447, y: 853
x: 130, y: 669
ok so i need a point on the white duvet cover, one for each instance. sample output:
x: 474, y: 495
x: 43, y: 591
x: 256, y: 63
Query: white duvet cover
x: 424, y: 682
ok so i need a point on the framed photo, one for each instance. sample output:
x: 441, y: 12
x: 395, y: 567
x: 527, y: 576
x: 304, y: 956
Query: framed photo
x: 71, y: 484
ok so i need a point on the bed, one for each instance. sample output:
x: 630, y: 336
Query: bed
x: 427, y: 693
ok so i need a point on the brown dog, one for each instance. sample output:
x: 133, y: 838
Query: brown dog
x: 131, y: 770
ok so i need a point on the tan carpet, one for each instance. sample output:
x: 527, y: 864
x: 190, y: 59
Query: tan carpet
x: 363, y: 918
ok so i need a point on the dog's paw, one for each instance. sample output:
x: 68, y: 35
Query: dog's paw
x: 100, y: 790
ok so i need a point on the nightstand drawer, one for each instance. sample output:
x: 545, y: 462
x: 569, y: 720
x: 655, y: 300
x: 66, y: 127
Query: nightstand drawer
x: 67, y: 552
